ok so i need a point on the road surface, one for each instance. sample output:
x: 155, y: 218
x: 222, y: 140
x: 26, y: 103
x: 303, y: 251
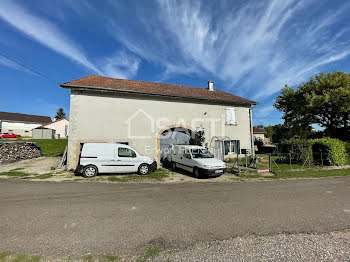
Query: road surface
x: 60, y: 219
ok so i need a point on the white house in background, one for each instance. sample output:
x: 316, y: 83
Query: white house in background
x: 142, y: 114
x: 259, y: 133
x: 21, y: 124
x: 61, y: 127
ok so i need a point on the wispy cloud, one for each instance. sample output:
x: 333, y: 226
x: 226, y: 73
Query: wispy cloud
x: 48, y: 34
x: 254, y: 46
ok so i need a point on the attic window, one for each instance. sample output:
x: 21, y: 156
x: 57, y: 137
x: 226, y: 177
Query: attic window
x: 231, y: 116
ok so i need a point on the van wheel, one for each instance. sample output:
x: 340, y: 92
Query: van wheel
x: 196, y: 173
x: 144, y: 169
x: 173, y: 166
x: 90, y: 171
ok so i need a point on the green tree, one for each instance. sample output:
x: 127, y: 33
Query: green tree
x: 323, y: 100
x: 60, y: 114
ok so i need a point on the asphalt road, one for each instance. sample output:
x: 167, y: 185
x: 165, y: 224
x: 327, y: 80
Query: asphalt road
x: 60, y: 219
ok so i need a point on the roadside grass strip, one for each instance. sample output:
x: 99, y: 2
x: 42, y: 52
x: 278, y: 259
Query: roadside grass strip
x: 43, y: 176
x: 158, y: 175
x: 310, y: 173
x: 10, y: 257
x: 15, y: 173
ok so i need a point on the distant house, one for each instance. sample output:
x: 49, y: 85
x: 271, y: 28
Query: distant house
x: 21, y: 124
x: 259, y: 134
x: 60, y: 126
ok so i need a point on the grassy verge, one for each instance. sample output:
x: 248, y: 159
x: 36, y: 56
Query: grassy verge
x: 15, y: 173
x: 7, y: 256
x: 49, y: 147
x: 43, y: 176
x: 158, y: 175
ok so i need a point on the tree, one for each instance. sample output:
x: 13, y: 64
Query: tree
x: 60, y: 114
x: 198, y: 138
x: 323, y: 100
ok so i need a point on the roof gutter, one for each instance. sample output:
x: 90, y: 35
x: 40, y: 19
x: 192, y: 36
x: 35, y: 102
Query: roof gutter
x: 149, y: 94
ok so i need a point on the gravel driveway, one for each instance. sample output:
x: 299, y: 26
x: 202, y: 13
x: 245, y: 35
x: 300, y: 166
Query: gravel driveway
x: 283, y: 247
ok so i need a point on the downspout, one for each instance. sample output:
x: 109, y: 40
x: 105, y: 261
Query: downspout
x: 251, y: 131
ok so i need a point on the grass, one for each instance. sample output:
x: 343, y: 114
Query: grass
x: 158, y: 175
x: 49, y: 147
x: 311, y: 173
x: 44, y: 176
x: 15, y: 173
x: 7, y: 256
x: 150, y: 253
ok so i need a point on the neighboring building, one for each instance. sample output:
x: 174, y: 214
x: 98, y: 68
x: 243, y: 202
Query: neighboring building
x: 259, y: 134
x: 21, y: 124
x: 142, y: 114
x: 43, y: 133
x: 60, y: 126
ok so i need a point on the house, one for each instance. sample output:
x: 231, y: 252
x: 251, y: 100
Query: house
x: 43, y: 133
x: 144, y: 114
x: 21, y: 124
x: 259, y: 133
x: 60, y: 126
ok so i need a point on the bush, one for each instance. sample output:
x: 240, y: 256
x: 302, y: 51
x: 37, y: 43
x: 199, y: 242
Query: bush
x: 333, y: 150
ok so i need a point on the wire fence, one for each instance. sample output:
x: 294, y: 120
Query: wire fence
x: 281, y: 162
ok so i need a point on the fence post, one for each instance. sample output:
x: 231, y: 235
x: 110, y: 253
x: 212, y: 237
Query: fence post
x: 270, y: 162
x: 290, y: 160
x: 308, y: 156
x: 321, y: 159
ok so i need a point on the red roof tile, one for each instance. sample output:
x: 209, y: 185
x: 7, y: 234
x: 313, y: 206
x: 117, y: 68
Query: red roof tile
x: 173, y: 90
x: 257, y: 130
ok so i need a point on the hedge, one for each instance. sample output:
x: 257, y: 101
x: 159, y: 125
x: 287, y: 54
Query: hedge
x: 333, y: 150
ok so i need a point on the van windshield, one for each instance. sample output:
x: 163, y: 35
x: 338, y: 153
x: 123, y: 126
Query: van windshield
x: 201, y: 153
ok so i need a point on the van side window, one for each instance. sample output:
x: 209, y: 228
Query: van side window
x: 187, y: 154
x: 126, y: 152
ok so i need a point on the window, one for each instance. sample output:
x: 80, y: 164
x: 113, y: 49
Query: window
x: 201, y: 153
x: 126, y: 152
x: 231, y: 116
x: 187, y: 154
x: 231, y: 147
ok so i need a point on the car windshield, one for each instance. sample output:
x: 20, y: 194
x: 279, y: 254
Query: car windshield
x: 201, y: 153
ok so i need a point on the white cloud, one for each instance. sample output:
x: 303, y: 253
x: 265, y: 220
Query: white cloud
x: 48, y: 34
x: 256, y: 46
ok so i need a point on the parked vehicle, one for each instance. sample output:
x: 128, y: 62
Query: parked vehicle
x: 113, y: 158
x: 197, y: 160
x: 7, y: 135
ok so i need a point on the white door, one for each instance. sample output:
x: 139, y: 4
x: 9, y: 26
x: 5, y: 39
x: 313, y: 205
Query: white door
x: 126, y: 161
x: 186, y: 162
x: 218, y: 150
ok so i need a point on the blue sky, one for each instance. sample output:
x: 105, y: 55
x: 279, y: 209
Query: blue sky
x: 249, y: 48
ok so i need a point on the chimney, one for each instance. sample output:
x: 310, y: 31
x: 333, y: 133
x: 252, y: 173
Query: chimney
x: 210, y: 85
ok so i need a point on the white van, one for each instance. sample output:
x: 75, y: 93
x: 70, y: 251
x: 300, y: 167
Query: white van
x: 113, y: 158
x: 195, y: 159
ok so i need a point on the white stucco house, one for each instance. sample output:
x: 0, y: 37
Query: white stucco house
x: 61, y: 126
x: 145, y: 114
x: 21, y: 124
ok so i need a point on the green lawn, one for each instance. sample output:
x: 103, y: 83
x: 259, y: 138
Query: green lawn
x: 311, y: 173
x: 49, y: 147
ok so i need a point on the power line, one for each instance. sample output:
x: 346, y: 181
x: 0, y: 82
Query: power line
x: 29, y: 68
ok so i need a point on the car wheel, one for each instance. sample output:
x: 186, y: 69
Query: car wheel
x: 196, y: 173
x: 144, y: 169
x: 90, y: 171
x: 173, y: 166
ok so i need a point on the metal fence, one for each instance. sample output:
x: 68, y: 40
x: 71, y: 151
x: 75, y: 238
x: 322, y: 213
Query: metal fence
x: 281, y: 162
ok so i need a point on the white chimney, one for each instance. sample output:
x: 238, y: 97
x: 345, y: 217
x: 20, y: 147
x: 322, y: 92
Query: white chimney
x: 210, y: 85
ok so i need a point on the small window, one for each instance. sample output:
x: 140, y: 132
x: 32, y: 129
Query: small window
x: 231, y: 146
x: 123, y: 143
x: 126, y: 152
x: 230, y: 116
x: 26, y: 131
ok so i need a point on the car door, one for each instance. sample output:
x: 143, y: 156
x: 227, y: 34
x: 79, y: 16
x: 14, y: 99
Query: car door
x: 127, y: 161
x: 186, y: 161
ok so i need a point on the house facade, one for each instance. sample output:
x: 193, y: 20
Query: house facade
x: 61, y: 126
x: 21, y: 124
x: 145, y: 114
x: 259, y: 133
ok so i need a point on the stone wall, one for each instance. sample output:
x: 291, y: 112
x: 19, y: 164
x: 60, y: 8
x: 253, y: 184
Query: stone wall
x: 16, y: 151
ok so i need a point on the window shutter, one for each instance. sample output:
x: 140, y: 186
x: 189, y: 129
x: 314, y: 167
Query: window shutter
x: 233, y: 117
x: 228, y: 116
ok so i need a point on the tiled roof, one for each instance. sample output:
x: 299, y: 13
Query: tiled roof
x: 24, y: 118
x: 152, y: 88
x: 257, y: 130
